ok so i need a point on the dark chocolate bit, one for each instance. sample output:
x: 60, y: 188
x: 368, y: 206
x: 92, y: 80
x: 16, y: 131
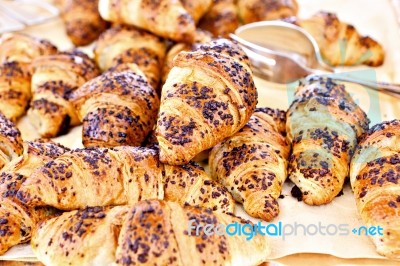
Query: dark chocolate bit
x: 296, y: 193
x: 340, y: 193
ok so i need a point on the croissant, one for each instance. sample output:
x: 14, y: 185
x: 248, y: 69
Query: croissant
x: 16, y: 53
x: 15, y: 89
x: 374, y: 177
x: 252, y: 163
x: 119, y: 176
x: 323, y: 124
x: 259, y: 10
x: 152, y: 143
x: 151, y: 232
x: 17, y: 219
x: 10, y: 141
x: 209, y: 95
x: 82, y: 20
x: 119, y: 45
x: 82, y: 237
x: 221, y: 19
x: 117, y: 108
x: 196, y: 8
x: 23, y: 48
x: 165, y: 18
x: 201, y: 37
x: 340, y: 43
x: 53, y: 80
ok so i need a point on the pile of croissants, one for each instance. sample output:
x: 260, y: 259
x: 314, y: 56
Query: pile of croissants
x: 161, y: 91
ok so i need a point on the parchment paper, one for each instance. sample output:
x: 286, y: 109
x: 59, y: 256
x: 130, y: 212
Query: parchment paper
x: 372, y: 17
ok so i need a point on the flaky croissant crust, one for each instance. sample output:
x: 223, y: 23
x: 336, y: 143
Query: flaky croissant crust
x: 208, y: 96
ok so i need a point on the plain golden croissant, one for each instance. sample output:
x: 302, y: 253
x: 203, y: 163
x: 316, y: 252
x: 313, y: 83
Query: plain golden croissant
x: 15, y: 89
x: 54, y: 78
x: 165, y: 18
x: 340, y: 43
x: 259, y: 10
x: 117, y: 108
x: 83, y: 22
x: 17, y: 47
x: 151, y: 232
x: 196, y: 8
x: 10, y: 141
x: 201, y: 37
x: 375, y: 179
x: 221, y: 19
x: 16, y: 53
x: 123, y: 175
x: 121, y: 45
x: 209, y: 95
x: 17, y: 220
x: 323, y: 124
x: 252, y: 163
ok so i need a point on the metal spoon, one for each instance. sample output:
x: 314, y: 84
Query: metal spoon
x: 282, y: 52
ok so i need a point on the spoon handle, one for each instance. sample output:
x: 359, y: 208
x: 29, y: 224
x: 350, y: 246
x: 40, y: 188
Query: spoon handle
x: 384, y: 87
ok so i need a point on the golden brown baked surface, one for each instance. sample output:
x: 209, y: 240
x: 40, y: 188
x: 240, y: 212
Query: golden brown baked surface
x: 17, y: 51
x: 116, y: 108
x: 15, y: 89
x: 165, y: 18
x: 54, y: 78
x: 151, y: 231
x: 221, y: 19
x: 208, y: 96
x: 375, y: 179
x: 323, y: 124
x: 259, y: 10
x: 10, y: 141
x: 196, y: 8
x: 122, y: 45
x: 340, y: 43
x: 119, y: 176
x: 167, y: 222
x: 82, y: 20
x: 252, y: 163
x: 201, y: 37
x: 23, y: 48
x: 17, y: 220
x: 82, y: 237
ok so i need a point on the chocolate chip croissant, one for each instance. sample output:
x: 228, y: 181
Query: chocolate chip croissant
x: 340, y: 43
x: 149, y: 232
x: 22, y: 48
x: 375, y: 179
x: 15, y: 89
x: 16, y: 54
x: 209, y: 95
x: 122, y: 45
x: 201, y: 37
x: 54, y: 78
x: 165, y: 18
x: 252, y: 163
x: 119, y: 176
x: 10, y: 141
x: 323, y: 124
x: 117, y: 108
x: 17, y: 220
x: 82, y: 237
x: 259, y: 10
x: 83, y: 22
